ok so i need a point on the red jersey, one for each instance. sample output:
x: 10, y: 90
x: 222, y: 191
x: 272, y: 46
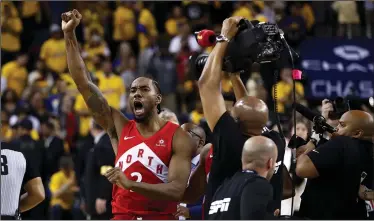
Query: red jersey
x: 208, y: 162
x: 143, y: 160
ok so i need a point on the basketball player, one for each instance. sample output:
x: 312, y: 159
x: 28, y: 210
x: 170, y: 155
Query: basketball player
x: 153, y: 156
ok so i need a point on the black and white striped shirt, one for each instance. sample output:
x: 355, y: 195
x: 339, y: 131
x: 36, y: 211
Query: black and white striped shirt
x: 16, y: 170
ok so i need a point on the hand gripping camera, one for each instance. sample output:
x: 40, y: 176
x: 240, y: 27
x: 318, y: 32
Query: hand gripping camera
x: 255, y: 42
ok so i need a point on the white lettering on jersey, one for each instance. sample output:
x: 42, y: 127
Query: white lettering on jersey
x: 277, y: 165
x: 219, y: 206
x: 143, y: 154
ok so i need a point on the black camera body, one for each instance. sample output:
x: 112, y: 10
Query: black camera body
x: 254, y: 42
x: 340, y: 106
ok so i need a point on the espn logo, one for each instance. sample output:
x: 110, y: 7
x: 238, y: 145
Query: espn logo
x: 219, y: 205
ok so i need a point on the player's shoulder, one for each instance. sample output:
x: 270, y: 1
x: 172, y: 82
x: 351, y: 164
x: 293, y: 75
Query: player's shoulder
x: 207, y: 149
x: 181, y: 139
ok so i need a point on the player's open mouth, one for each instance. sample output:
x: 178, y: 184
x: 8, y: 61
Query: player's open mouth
x: 138, y: 108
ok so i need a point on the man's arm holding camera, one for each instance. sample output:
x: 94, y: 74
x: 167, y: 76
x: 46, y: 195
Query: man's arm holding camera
x: 238, y: 86
x: 322, y: 160
x: 210, y: 80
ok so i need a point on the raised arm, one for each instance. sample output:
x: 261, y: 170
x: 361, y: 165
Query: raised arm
x: 179, y: 172
x: 238, y: 86
x: 210, y: 80
x: 110, y: 119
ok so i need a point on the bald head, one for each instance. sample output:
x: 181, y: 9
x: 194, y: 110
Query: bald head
x: 252, y: 114
x: 356, y: 123
x: 260, y: 153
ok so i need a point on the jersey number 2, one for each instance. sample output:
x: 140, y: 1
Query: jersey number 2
x: 138, y: 176
x: 4, y: 165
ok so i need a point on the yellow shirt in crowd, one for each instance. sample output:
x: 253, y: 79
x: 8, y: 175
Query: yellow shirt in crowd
x: 196, y: 117
x: 30, y: 8
x: 112, y: 88
x: 54, y: 53
x: 284, y: 90
x: 15, y: 75
x: 244, y: 12
x: 146, y: 18
x: 58, y: 180
x: 171, y: 25
x: 124, y: 24
x: 80, y: 105
x: 91, y: 52
x: 10, y: 40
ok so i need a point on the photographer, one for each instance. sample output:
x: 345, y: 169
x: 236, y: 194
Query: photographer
x: 231, y: 129
x: 336, y: 169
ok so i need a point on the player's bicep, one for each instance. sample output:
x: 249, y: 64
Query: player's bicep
x: 180, y: 163
x: 213, y: 105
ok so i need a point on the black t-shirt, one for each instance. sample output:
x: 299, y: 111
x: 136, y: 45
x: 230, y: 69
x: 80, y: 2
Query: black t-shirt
x: 243, y: 197
x: 334, y: 194
x: 227, y: 150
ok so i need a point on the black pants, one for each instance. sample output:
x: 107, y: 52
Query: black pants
x: 105, y: 216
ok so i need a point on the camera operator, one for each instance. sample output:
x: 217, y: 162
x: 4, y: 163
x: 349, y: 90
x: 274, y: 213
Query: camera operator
x: 335, y: 170
x: 230, y: 129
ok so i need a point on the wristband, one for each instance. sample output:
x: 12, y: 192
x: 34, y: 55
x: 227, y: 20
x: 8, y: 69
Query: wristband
x: 222, y: 38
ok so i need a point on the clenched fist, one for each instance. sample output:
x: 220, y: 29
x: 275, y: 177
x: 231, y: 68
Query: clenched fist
x: 70, y: 20
x: 116, y: 176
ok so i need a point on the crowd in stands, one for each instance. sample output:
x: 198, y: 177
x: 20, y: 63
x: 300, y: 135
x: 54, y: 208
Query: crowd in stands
x: 120, y: 41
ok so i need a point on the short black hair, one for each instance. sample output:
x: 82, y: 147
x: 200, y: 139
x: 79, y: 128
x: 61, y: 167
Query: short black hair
x: 66, y: 162
x: 26, y: 124
x: 49, y: 124
x: 156, y: 85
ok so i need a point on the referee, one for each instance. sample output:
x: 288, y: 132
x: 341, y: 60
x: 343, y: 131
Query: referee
x: 17, y: 172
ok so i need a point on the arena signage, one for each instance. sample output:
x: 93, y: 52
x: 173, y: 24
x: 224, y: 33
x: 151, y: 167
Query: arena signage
x: 336, y: 67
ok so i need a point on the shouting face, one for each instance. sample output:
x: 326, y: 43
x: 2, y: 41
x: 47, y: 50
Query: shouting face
x: 144, y: 98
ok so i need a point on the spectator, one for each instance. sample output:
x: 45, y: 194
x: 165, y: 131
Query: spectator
x: 146, y: 26
x: 197, y: 115
x: 176, y: 19
x: 257, y: 13
x: 54, y: 99
x: 168, y: 115
x: 38, y: 107
x: 40, y: 78
x: 53, y: 51
x: 54, y: 147
x: 128, y: 74
x: 308, y: 15
x: 294, y: 26
x: 284, y: 90
x: 162, y: 67
x: 92, y: 20
x: 15, y: 73
x: 95, y: 46
x: 197, y: 13
x: 185, y: 41
x: 11, y: 28
x: 31, y: 16
x: 111, y: 86
x: 124, y: 25
x: 269, y: 12
x: 348, y: 18
x: 9, y: 101
x: 243, y: 10
x: 23, y: 112
x: 84, y: 113
x: 255, y: 86
x: 121, y: 63
x: 63, y: 187
x: 69, y: 122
